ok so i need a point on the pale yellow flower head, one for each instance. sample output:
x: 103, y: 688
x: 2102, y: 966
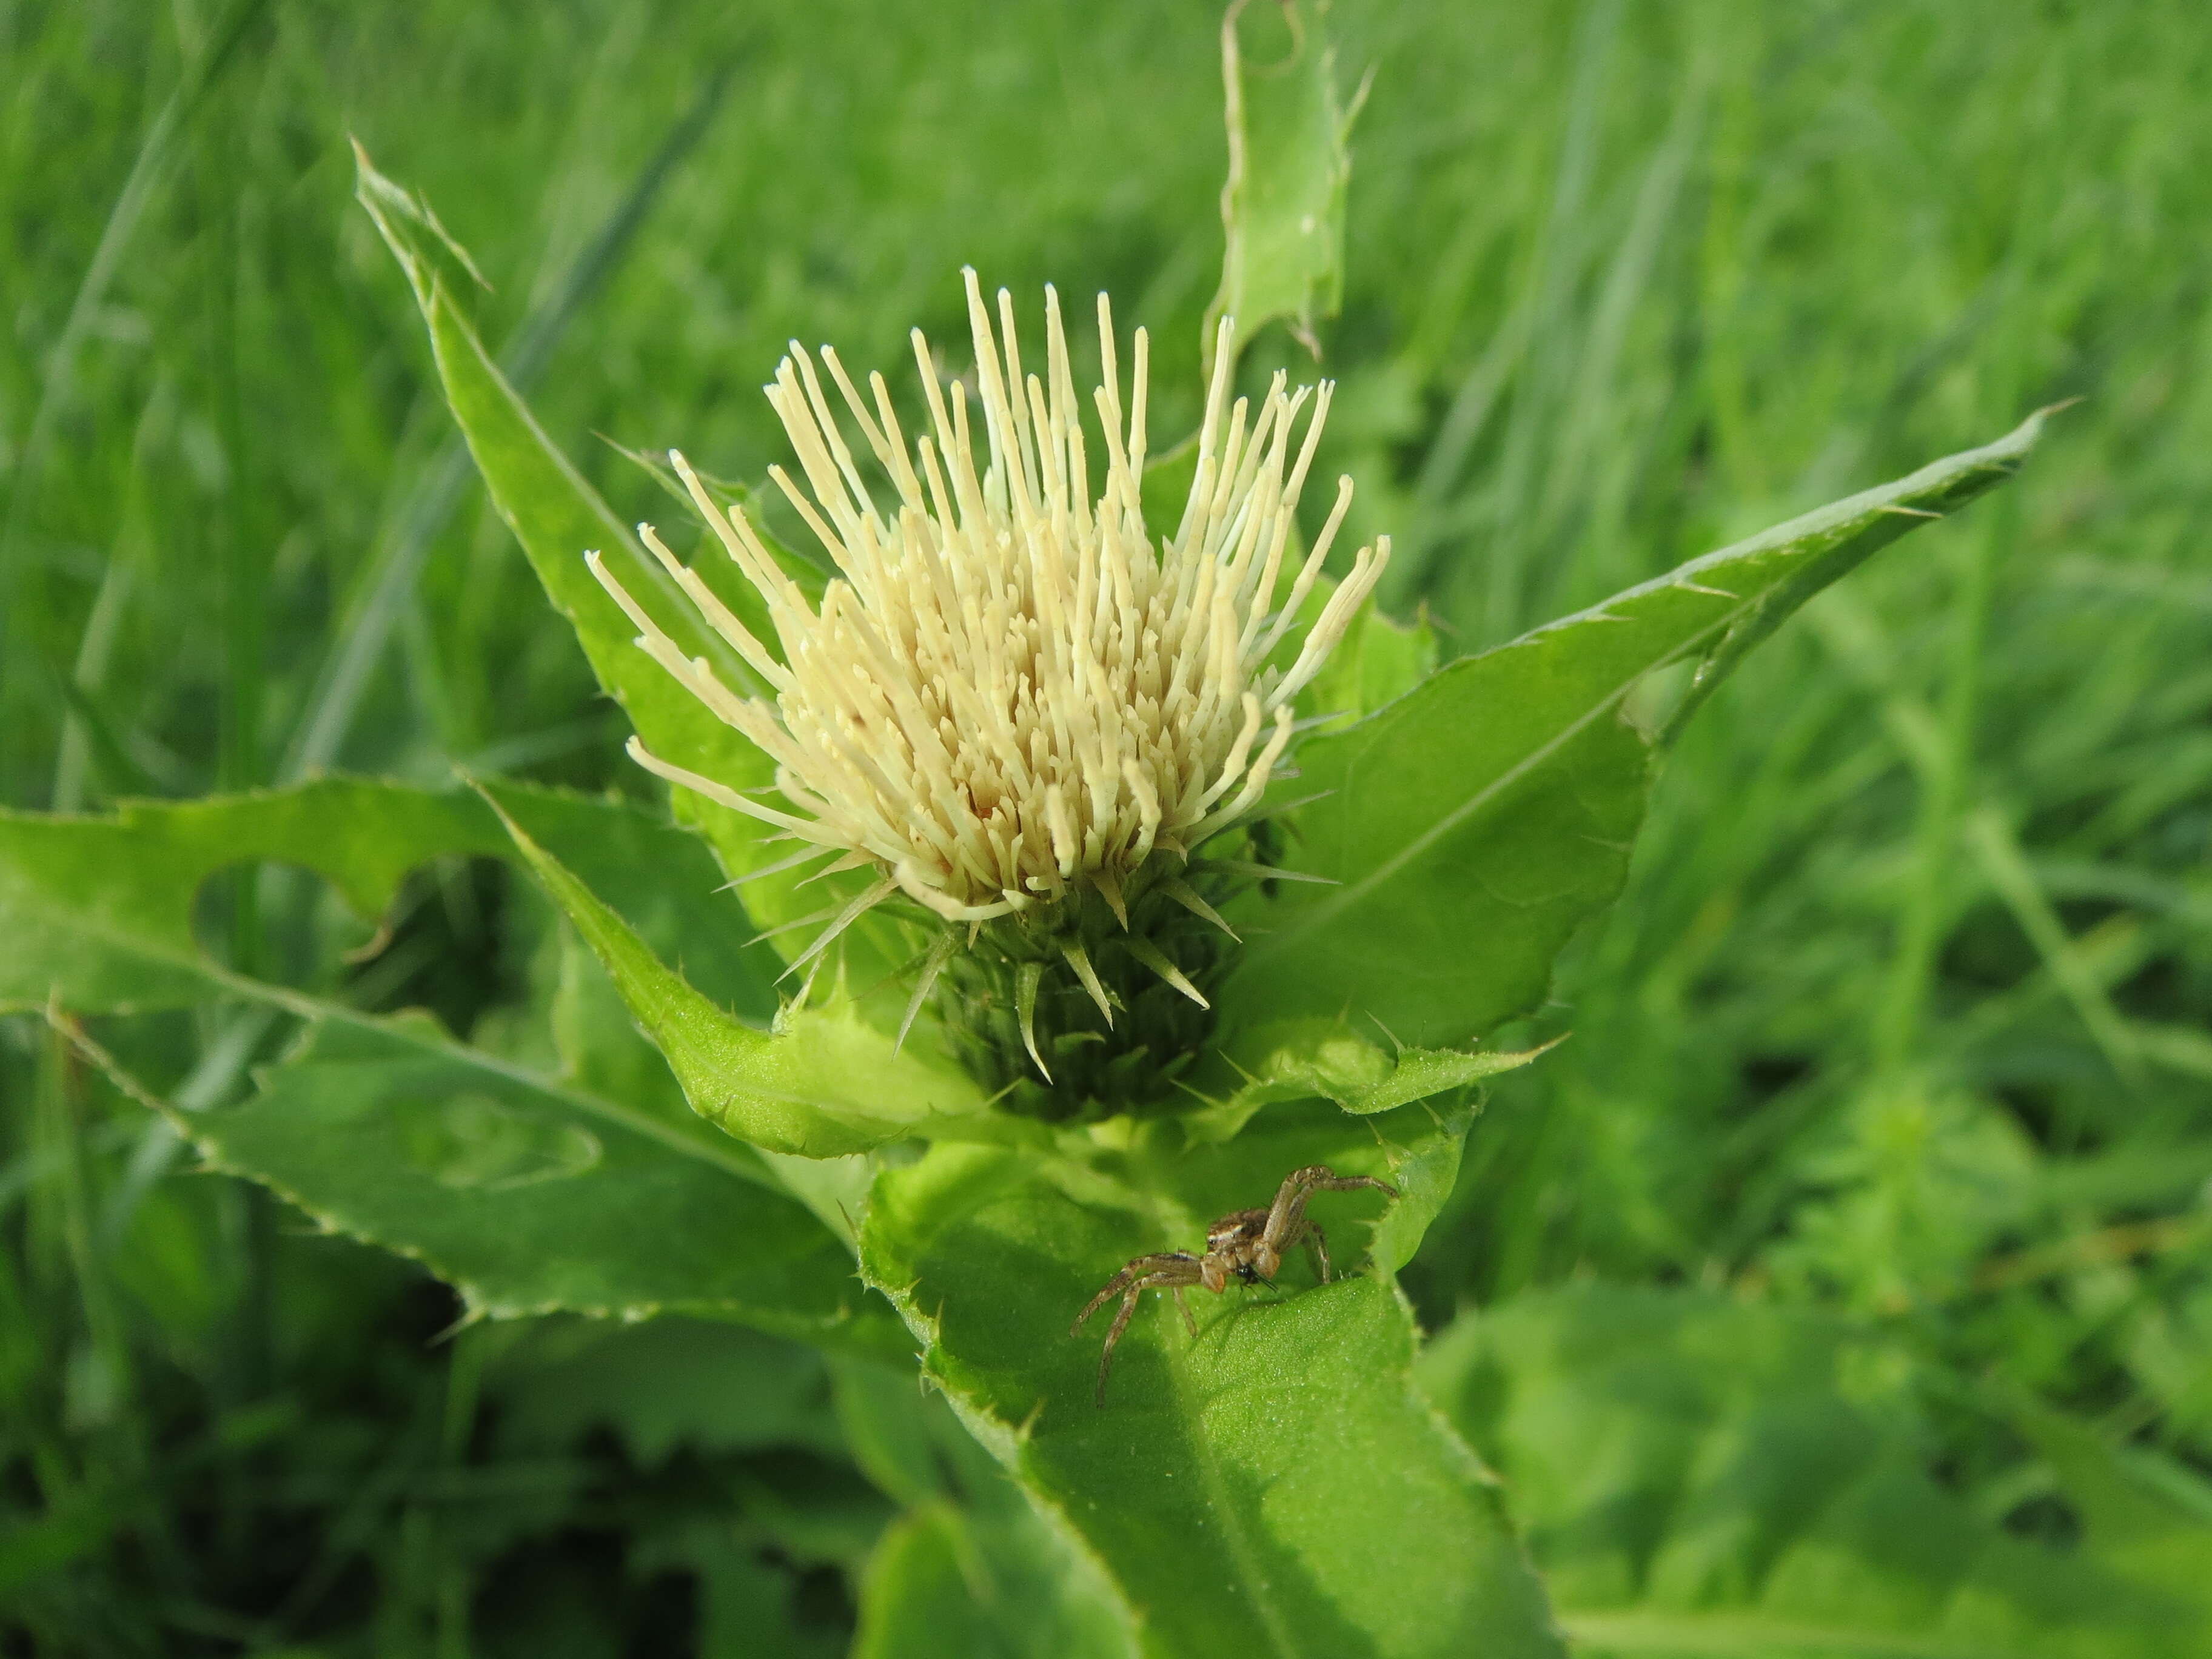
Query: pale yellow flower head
x: 1011, y: 691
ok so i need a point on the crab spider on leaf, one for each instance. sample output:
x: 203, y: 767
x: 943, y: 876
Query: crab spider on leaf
x: 1247, y: 1245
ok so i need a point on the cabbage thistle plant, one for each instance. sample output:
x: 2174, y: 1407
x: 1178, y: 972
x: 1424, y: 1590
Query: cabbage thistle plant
x: 1101, y: 858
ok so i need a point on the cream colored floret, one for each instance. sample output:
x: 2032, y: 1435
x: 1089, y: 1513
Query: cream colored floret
x: 1008, y: 692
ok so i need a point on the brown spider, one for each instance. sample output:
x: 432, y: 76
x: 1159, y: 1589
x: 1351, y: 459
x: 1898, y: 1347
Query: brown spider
x: 1247, y: 1246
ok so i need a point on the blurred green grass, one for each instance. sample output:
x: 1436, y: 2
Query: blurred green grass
x: 1905, y: 1013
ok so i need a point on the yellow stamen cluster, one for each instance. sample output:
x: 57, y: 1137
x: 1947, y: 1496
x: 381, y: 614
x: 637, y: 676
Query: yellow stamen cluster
x: 1009, y: 692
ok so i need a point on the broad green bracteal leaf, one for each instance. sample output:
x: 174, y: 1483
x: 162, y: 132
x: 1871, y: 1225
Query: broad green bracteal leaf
x: 1282, y: 209
x: 1472, y: 824
x: 824, y: 1083
x: 1700, y: 1476
x: 1274, y: 1486
x: 526, y: 1194
x: 558, y: 517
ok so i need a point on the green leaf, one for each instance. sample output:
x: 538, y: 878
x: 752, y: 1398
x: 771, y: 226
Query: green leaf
x: 522, y: 1188
x: 1699, y: 1476
x: 2144, y: 1517
x: 972, y: 1568
x: 1311, y: 1057
x: 922, y: 1593
x: 1472, y: 825
x: 99, y: 910
x: 1376, y: 662
x: 526, y: 1196
x: 824, y: 1083
x: 1302, y: 1059
x: 1274, y: 1485
x: 660, y: 1387
x: 1282, y: 209
x: 752, y: 1596
x: 944, y: 1581
x: 558, y: 517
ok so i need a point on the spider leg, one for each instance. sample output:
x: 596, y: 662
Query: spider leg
x: 1113, y: 1288
x: 1136, y: 1269
x: 1178, y: 1276
x: 1190, y: 1318
x: 1114, y: 1335
x: 1288, y: 1213
x: 1351, y: 1183
x: 1316, y: 1243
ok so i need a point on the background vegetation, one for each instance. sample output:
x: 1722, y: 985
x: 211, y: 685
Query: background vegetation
x: 1883, y: 1139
